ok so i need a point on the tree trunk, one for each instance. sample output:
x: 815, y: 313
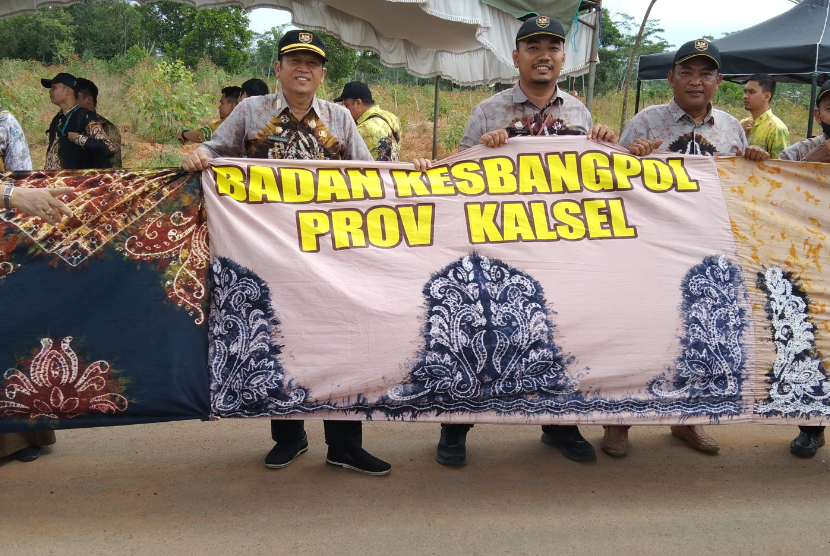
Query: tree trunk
x: 631, y: 65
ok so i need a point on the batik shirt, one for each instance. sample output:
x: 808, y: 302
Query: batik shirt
x: 14, y: 151
x: 769, y: 133
x: 381, y: 131
x: 114, y: 136
x: 719, y: 134
x: 265, y: 127
x: 91, y: 149
x: 562, y: 115
x: 802, y: 149
x: 206, y: 132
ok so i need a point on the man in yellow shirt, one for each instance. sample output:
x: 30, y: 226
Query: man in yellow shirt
x: 381, y: 130
x: 227, y: 102
x: 763, y: 129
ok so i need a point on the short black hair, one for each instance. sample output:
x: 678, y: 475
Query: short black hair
x: 232, y: 93
x: 766, y: 82
x: 255, y: 88
x: 89, y: 89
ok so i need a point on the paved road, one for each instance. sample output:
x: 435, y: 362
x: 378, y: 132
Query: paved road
x: 200, y: 488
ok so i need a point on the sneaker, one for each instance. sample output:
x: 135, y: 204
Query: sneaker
x: 696, y: 437
x: 615, y: 441
x: 28, y: 454
x: 570, y: 441
x: 283, y: 454
x: 358, y: 459
x: 806, y: 444
x: 452, y: 448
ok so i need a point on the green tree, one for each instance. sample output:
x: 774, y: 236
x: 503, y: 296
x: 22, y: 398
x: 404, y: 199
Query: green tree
x: 266, y: 51
x: 46, y: 36
x: 106, y: 28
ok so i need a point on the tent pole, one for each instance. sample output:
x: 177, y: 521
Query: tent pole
x: 592, y: 72
x: 812, y: 104
x: 435, y: 121
x: 637, y: 97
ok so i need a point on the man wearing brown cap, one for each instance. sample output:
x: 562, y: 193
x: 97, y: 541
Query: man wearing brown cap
x: 77, y: 139
x: 689, y: 124
x: 295, y: 124
x: 535, y: 106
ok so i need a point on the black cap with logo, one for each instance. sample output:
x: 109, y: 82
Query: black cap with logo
x: 298, y: 40
x: 541, y: 25
x: 355, y: 89
x: 693, y: 49
x: 823, y: 91
x: 63, y: 78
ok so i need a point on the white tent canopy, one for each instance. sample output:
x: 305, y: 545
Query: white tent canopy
x: 466, y: 41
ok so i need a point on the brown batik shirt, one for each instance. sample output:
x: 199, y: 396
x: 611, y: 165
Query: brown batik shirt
x: 801, y: 150
x: 718, y: 134
x: 512, y: 110
x: 265, y: 127
x: 91, y: 148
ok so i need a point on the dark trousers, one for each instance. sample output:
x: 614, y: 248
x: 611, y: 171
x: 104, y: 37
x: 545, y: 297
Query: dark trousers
x: 340, y: 435
x: 811, y: 430
x: 466, y: 427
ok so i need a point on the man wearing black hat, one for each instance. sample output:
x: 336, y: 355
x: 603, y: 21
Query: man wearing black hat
x: 814, y: 149
x: 687, y: 125
x: 535, y: 106
x: 77, y: 139
x: 381, y: 130
x: 295, y: 124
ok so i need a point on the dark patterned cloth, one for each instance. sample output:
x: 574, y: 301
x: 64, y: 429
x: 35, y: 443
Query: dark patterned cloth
x: 91, y: 149
x: 104, y: 315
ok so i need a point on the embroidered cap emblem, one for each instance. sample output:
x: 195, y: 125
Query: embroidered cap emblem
x: 305, y: 37
x: 702, y: 45
x: 543, y: 21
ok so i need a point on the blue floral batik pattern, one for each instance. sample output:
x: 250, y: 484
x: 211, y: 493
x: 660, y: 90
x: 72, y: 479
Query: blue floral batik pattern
x: 712, y: 361
x: 799, y: 385
x: 247, y: 379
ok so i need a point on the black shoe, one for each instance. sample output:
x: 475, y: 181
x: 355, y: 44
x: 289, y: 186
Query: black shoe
x: 359, y: 460
x: 284, y: 453
x: 806, y: 444
x: 452, y: 448
x: 570, y: 441
x: 28, y: 454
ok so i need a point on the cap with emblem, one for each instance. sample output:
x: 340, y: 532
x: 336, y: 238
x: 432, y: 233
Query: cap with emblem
x: 823, y: 92
x: 355, y: 89
x: 64, y: 79
x: 541, y: 25
x: 693, y: 49
x: 299, y: 40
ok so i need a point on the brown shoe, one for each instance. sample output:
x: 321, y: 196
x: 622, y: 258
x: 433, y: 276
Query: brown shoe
x: 615, y: 441
x: 696, y: 437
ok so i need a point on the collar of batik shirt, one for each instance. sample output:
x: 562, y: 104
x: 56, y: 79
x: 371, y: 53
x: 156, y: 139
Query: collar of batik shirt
x: 678, y: 113
x: 368, y: 114
x: 519, y: 97
x: 67, y: 111
x: 282, y: 106
x: 763, y: 117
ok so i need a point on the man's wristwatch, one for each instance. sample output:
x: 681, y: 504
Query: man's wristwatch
x: 182, y: 134
x: 7, y: 196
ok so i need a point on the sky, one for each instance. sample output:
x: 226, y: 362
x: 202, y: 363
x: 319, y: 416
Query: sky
x: 708, y: 17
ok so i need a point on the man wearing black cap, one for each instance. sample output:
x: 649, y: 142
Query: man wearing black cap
x: 687, y: 125
x: 536, y: 106
x: 295, y: 124
x: 77, y: 139
x: 381, y: 130
x: 815, y: 149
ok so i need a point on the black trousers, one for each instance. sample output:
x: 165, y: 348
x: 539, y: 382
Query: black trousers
x: 340, y: 435
x: 811, y: 430
x: 465, y: 427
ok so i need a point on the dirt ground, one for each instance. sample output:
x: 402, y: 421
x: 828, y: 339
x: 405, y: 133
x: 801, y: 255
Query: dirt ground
x: 201, y: 488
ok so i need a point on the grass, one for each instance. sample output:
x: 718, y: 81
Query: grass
x: 145, y: 146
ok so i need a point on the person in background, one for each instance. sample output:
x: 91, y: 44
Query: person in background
x: 88, y: 98
x: 14, y: 157
x: 814, y: 149
x: 253, y: 88
x: 381, y: 130
x: 689, y: 124
x: 764, y: 129
x: 227, y: 102
x: 295, y: 124
x: 77, y: 139
x: 535, y: 106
